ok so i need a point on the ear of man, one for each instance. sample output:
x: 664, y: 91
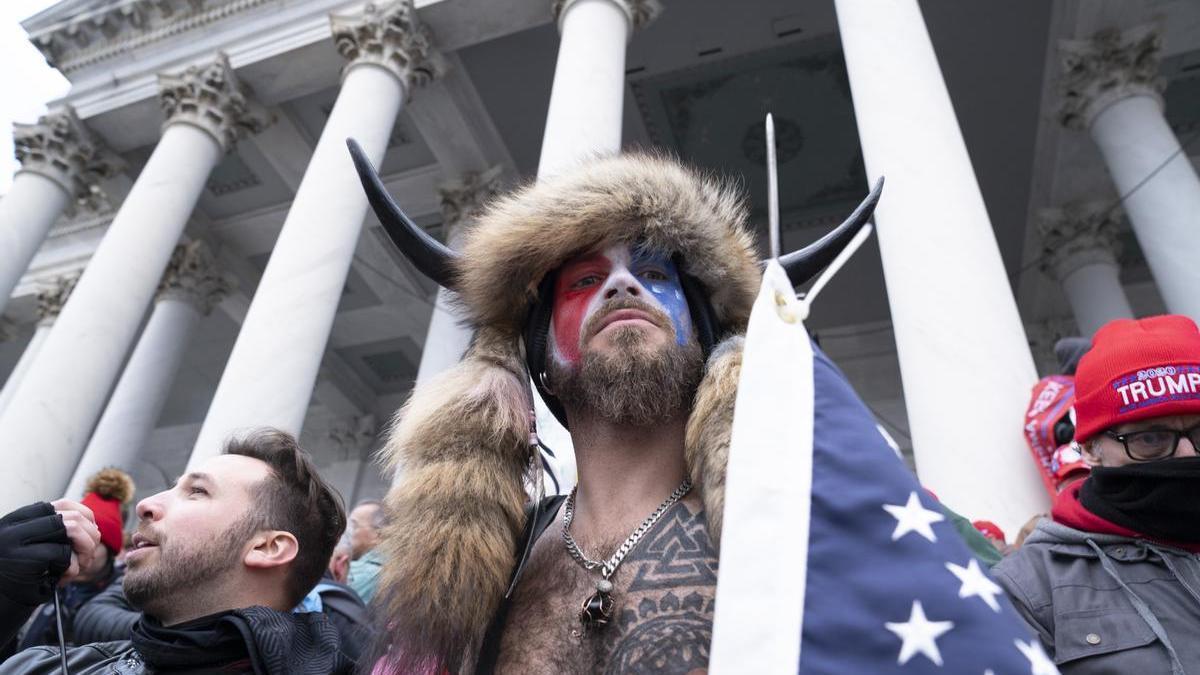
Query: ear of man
x: 271, y: 549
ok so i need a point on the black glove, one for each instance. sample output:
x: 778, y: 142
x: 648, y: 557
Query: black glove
x: 34, y: 552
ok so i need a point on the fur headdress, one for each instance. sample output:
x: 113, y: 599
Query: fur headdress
x: 461, y: 442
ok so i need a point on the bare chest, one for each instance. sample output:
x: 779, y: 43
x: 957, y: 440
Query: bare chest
x: 662, y: 621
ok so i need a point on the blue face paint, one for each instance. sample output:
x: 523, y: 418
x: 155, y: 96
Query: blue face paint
x: 658, y: 274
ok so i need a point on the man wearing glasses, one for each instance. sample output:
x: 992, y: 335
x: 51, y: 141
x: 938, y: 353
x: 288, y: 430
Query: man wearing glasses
x: 1111, y: 581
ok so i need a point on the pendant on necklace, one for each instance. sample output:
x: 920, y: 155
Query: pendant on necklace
x: 597, y: 609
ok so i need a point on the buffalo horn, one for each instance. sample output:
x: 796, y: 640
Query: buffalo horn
x: 428, y: 255
x: 803, y: 264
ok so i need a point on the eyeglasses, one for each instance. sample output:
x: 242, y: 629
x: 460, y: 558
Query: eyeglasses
x: 1152, y: 444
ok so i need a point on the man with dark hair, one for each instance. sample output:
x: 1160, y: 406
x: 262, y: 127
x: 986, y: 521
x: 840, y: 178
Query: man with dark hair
x: 218, y: 561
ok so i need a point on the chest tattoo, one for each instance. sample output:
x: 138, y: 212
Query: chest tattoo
x: 664, y: 592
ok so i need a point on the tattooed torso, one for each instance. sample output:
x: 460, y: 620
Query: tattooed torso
x: 662, y: 622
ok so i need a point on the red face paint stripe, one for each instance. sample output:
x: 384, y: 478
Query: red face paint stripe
x: 571, y: 304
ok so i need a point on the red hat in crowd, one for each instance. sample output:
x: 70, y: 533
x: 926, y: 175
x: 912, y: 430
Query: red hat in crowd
x: 106, y: 492
x: 989, y: 529
x: 1138, y: 369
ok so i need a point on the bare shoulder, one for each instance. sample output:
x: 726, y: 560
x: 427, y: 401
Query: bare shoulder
x: 664, y: 592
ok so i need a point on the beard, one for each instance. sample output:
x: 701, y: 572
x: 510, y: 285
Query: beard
x: 633, y: 384
x: 185, y: 569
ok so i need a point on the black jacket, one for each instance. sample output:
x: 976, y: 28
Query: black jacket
x: 109, y: 616
x: 264, y: 642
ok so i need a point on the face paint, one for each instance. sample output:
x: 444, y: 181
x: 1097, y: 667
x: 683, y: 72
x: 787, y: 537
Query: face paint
x: 586, y: 282
x: 658, y: 275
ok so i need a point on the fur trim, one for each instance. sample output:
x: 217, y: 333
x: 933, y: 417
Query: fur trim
x: 709, y: 428
x: 461, y: 447
x: 111, y: 483
x: 622, y: 198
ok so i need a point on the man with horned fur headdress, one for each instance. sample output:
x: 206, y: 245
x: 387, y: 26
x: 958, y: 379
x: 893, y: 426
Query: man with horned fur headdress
x: 619, y: 290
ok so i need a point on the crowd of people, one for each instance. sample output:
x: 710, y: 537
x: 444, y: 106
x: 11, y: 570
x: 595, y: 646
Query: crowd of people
x: 619, y: 291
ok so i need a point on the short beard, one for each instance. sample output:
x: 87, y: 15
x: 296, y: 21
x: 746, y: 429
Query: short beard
x: 635, y: 386
x: 182, y: 577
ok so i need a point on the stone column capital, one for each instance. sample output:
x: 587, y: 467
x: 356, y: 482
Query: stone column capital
x: 391, y: 36
x: 354, y: 434
x: 62, y: 149
x: 1110, y: 66
x: 53, y: 297
x: 192, y: 276
x: 1079, y: 234
x: 640, y: 12
x: 211, y: 98
x: 463, y: 198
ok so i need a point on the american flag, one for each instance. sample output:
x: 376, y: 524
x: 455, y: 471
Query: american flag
x: 882, y: 583
x: 891, y: 588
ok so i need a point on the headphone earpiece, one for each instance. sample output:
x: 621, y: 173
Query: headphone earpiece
x: 536, y: 337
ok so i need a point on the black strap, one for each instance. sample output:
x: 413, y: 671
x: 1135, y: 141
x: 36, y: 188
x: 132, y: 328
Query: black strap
x: 489, y: 651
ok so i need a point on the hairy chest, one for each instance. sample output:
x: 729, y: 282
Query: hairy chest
x: 664, y: 593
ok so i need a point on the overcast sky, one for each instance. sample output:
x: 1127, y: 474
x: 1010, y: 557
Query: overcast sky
x: 27, y: 82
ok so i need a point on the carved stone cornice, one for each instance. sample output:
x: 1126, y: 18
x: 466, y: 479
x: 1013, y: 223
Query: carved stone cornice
x: 115, y: 28
x: 463, y: 199
x: 62, y: 149
x: 1110, y: 66
x: 391, y: 36
x: 51, y: 299
x: 192, y: 276
x: 212, y: 98
x: 640, y: 12
x: 353, y: 435
x: 1079, y: 234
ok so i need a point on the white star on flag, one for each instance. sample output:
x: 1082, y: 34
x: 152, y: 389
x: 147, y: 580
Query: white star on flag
x: 976, y: 583
x: 912, y: 517
x: 919, y: 635
x: 1040, y: 663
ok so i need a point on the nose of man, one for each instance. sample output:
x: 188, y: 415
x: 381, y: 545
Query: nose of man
x: 150, y: 508
x: 621, y: 282
x: 1186, y: 448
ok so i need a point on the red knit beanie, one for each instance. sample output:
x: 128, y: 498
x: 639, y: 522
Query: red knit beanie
x: 1136, y: 370
x: 106, y: 492
x: 989, y: 529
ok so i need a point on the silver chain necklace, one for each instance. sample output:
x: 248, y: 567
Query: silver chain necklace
x: 597, y: 609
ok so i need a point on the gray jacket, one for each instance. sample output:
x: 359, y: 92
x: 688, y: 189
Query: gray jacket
x: 1107, y: 604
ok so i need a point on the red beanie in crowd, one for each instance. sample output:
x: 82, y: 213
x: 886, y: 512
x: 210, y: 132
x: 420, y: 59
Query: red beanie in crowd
x: 1136, y: 370
x: 989, y: 529
x: 106, y: 492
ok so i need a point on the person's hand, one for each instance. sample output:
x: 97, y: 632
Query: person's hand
x: 34, y: 552
x: 80, y: 524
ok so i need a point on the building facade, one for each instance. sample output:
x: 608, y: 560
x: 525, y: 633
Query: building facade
x: 185, y: 252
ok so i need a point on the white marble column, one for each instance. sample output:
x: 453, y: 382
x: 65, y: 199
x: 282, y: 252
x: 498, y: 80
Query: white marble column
x: 47, y: 423
x: 1079, y: 250
x: 962, y: 349
x: 1111, y: 87
x: 189, y: 290
x: 50, y: 301
x: 587, y: 102
x: 447, y: 339
x: 271, y: 372
x: 587, y: 97
x: 61, y: 163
